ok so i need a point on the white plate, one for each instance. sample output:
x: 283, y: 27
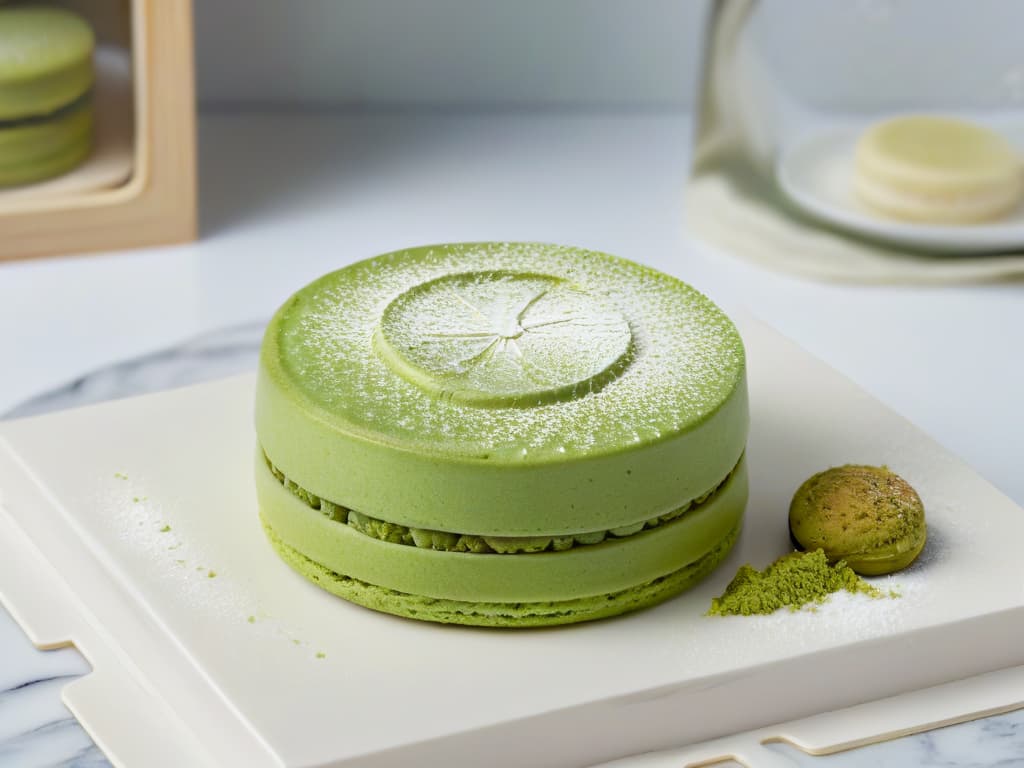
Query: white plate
x: 114, y: 517
x: 816, y: 173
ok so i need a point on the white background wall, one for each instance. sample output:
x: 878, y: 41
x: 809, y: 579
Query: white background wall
x: 895, y: 54
x: 595, y: 53
x: 449, y: 53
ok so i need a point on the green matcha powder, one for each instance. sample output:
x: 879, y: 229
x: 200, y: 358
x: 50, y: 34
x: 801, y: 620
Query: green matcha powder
x: 793, y: 581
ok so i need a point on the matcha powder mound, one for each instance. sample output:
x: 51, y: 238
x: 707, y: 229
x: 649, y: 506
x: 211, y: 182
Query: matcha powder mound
x: 792, y: 581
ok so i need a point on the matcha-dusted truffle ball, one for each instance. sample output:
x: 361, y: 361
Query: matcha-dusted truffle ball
x: 868, y: 516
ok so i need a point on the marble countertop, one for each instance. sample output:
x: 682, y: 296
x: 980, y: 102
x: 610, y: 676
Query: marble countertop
x: 278, y: 213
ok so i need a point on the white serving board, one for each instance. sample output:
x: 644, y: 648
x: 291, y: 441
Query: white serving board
x: 182, y: 677
x: 831, y: 732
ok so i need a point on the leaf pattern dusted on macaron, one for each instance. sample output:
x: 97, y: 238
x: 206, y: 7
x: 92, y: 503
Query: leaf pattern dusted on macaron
x: 505, y: 338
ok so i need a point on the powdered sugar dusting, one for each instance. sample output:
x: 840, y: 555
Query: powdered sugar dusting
x: 504, y: 338
x: 686, y: 357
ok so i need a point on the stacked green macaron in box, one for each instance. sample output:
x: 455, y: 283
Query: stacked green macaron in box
x: 501, y: 434
x: 46, y: 77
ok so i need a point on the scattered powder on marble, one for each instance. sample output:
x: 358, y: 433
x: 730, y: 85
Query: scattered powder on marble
x: 396, y: 533
x: 687, y: 356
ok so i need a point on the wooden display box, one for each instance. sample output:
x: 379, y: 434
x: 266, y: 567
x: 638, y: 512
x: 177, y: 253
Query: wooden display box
x: 139, y: 186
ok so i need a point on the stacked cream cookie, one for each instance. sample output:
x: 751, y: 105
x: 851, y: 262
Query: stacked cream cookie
x: 937, y: 170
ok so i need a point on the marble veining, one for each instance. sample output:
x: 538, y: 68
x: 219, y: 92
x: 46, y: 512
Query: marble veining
x: 37, y: 731
x: 205, y: 357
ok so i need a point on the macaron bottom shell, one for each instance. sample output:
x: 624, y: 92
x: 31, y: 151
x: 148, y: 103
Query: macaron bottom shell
x: 36, y: 150
x: 501, y: 614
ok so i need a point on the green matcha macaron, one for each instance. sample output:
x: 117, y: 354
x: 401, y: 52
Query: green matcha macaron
x: 501, y: 434
x: 46, y: 75
x: 868, y: 516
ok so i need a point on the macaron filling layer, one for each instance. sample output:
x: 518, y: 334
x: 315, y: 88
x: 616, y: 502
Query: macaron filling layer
x: 30, y: 120
x: 447, y: 541
x: 598, y: 569
x: 33, y: 150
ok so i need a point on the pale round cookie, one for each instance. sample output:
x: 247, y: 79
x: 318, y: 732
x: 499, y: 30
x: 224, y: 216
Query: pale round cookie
x: 937, y: 170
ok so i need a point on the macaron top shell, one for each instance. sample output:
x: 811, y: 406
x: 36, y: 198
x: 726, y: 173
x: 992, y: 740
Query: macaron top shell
x: 528, y: 353
x: 45, y: 60
x: 439, y: 387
